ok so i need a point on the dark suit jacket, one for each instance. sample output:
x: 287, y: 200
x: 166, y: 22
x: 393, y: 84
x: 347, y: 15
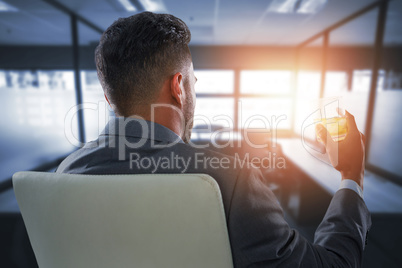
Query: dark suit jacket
x: 259, y: 235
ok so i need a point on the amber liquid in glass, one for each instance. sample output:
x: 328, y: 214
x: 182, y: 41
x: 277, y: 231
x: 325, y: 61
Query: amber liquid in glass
x: 336, y: 126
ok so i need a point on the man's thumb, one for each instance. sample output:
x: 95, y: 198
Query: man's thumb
x: 324, y: 135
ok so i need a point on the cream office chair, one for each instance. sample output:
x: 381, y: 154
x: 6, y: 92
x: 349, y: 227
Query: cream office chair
x: 174, y: 220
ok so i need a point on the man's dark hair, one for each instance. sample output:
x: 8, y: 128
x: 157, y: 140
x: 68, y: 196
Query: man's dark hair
x: 135, y: 56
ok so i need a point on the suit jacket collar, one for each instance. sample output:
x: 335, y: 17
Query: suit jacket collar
x: 139, y: 128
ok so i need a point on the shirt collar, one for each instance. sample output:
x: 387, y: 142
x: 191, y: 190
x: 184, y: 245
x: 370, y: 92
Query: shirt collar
x: 140, y: 128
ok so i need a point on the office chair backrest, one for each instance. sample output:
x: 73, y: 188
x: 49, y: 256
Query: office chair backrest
x: 172, y: 220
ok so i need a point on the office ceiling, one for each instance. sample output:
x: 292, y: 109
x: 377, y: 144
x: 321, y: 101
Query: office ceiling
x: 212, y: 22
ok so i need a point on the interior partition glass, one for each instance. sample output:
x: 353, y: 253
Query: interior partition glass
x: 307, y: 87
x: 36, y: 86
x: 97, y: 111
x: 386, y: 139
x: 350, y: 59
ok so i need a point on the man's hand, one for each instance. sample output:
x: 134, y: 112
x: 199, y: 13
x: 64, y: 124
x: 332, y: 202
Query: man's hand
x: 346, y: 156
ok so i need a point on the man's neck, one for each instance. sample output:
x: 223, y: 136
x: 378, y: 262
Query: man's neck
x: 165, y: 116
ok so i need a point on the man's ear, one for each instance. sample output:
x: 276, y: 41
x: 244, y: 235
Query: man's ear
x: 107, y: 100
x: 176, y: 88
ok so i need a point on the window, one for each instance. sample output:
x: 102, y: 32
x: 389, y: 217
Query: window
x: 42, y: 99
x: 96, y: 110
x: 308, y: 90
x: 214, y: 81
x: 386, y: 140
x: 215, y: 101
x: 265, y: 82
x: 35, y: 104
x: 354, y: 100
x: 362, y: 78
x: 265, y: 100
x: 336, y: 83
x: 214, y: 111
x: 385, y: 145
x: 265, y: 113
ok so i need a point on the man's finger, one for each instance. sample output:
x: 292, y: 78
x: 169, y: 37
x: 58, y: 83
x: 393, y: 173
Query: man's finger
x: 363, y: 138
x: 324, y: 135
x: 340, y: 111
x: 351, y: 121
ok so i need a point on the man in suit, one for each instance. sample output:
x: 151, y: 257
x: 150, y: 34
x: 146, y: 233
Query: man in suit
x: 145, y: 68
